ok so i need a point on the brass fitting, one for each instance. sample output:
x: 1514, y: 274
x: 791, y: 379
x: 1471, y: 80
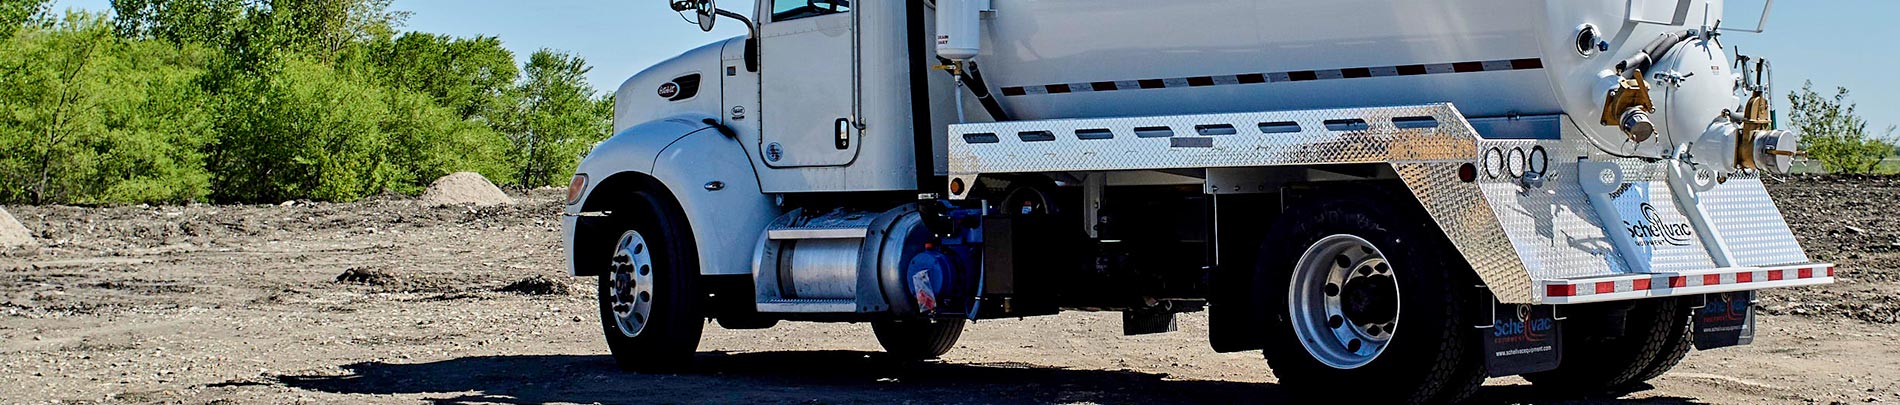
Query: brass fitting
x: 1628, y: 107
x: 1756, y: 119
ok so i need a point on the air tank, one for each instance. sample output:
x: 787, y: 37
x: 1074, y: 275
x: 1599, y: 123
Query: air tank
x: 1052, y: 59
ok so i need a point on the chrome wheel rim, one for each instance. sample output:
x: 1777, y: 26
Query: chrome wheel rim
x: 631, y: 290
x: 1344, y: 301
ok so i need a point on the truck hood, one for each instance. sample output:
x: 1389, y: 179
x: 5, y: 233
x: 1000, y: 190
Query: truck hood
x: 686, y: 83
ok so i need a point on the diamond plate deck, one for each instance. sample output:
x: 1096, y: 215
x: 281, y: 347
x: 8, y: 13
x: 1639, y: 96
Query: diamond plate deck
x: 1515, y: 234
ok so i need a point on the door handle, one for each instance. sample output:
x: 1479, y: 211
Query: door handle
x: 843, y: 129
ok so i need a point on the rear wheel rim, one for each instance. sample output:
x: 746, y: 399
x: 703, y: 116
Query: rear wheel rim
x: 1343, y: 301
x: 630, y: 286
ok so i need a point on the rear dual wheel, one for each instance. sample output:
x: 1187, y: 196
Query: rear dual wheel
x: 1656, y: 336
x: 918, y: 339
x: 1367, y: 302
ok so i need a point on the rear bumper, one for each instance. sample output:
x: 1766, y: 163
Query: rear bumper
x: 1652, y: 285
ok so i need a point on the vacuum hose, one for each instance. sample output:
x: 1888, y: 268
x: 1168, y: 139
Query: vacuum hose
x: 1655, y: 50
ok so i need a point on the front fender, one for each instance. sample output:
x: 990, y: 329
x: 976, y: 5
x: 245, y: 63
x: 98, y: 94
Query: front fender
x: 636, y: 148
x: 713, y: 179
x: 708, y: 173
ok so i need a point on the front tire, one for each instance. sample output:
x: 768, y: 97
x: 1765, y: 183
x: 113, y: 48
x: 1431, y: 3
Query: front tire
x: 918, y: 339
x: 649, y: 298
x: 1366, y: 302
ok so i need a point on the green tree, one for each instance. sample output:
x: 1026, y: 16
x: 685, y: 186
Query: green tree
x: 1834, y: 134
x: 327, y: 28
x: 471, y: 76
x: 555, y: 119
x: 304, y: 132
x: 88, y: 118
x: 431, y: 142
x: 312, y: 131
x: 268, y: 100
x: 209, y: 22
x: 17, y: 13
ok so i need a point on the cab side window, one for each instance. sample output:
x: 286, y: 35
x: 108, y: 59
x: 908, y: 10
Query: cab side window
x: 787, y: 10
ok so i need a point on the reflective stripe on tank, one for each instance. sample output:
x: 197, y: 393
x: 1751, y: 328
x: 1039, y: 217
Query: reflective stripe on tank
x: 1279, y: 77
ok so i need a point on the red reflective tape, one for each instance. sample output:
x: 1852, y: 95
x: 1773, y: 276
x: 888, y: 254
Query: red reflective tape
x: 1565, y: 290
x: 1744, y: 277
x: 1806, y: 273
x: 1712, y: 279
x: 1777, y: 275
x: 1830, y: 271
x: 1641, y: 284
x: 1678, y: 281
x: 1606, y: 287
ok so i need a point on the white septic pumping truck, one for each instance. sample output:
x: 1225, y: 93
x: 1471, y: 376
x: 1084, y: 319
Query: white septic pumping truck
x: 1405, y: 195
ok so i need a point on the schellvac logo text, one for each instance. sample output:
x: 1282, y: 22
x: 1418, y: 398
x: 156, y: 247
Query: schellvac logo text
x: 1652, y: 231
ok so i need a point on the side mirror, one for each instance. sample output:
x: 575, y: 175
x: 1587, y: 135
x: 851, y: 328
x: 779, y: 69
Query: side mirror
x: 709, y: 13
x: 705, y: 10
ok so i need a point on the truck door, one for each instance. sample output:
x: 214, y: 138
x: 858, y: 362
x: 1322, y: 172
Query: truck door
x: 808, y: 88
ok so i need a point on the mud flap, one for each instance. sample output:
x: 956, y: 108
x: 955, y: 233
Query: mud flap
x: 1725, y: 319
x: 1522, y: 339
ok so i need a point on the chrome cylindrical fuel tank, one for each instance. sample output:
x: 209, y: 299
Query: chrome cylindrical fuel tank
x: 1054, y: 59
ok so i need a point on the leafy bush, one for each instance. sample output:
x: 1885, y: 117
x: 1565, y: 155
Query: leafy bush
x: 1835, y: 135
x: 17, y: 13
x: 88, y: 118
x: 554, y: 119
x: 268, y: 100
x: 304, y: 132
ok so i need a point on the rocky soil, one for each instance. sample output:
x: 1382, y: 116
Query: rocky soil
x: 396, y: 300
x: 1853, y: 222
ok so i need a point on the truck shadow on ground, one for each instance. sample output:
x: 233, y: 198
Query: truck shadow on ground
x: 804, y: 377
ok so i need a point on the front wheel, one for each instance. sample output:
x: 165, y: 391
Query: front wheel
x: 1367, y: 302
x: 648, y: 299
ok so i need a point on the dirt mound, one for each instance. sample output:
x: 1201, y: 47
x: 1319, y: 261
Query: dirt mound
x: 368, y: 276
x: 12, y: 234
x: 539, y: 285
x: 465, y: 188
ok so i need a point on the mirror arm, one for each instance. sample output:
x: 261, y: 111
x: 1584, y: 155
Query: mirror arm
x: 751, y: 39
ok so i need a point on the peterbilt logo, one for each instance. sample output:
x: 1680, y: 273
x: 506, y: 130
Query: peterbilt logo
x: 669, y: 90
x: 1651, y: 230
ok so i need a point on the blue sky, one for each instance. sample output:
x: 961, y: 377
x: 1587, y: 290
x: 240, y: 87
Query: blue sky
x: 1832, y: 42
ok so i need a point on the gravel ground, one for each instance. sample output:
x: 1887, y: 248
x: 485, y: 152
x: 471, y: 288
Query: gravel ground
x: 394, y: 301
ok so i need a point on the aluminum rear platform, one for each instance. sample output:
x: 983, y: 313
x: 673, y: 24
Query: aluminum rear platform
x: 1526, y: 223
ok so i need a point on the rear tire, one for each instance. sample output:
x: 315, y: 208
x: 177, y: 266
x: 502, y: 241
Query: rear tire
x: 918, y: 339
x: 1681, y: 338
x: 1432, y: 358
x: 649, y: 300
x: 1597, y: 364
